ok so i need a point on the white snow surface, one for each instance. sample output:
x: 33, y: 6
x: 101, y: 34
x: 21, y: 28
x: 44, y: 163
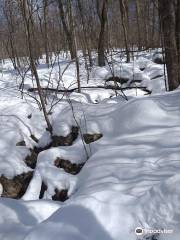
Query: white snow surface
x: 132, y: 176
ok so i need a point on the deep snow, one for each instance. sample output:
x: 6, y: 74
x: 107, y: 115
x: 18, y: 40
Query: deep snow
x: 131, y: 178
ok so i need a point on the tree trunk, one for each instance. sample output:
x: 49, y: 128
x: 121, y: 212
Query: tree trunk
x: 67, y: 31
x: 138, y: 24
x: 124, y: 20
x: 168, y: 22
x: 45, y: 11
x: 27, y: 15
x: 101, y: 41
x: 178, y: 29
x: 86, y: 41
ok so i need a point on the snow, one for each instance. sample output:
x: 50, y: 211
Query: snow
x: 131, y: 178
x: 34, y: 188
x: 1, y: 189
x: 19, y: 217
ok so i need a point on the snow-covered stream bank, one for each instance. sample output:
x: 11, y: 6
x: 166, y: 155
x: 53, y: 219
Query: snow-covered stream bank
x: 131, y: 178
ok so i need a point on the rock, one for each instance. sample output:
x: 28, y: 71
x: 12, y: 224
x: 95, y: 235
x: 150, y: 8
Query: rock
x: 88, y: 138
x: 16, y: 187
x: 21, y: 143
x: 142, y: 69
x: 68, y: 167
x: 158, y: 60
x: 60, y: 195
x: 29, y: 116
x: 65, y: 141
x: 31, y: 159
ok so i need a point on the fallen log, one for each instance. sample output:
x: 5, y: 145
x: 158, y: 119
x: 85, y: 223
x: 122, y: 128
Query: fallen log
x: 91, y: 87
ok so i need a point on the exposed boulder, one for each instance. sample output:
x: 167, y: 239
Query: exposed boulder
x: 31, y: 159
x: 16, y: 187
x: 158, y: 58
x: 67, y: 140
x: 88, y: 138
x: 29, y: 116
x: 60, y: 195
x: 68, y: 167
x: 142, y: 69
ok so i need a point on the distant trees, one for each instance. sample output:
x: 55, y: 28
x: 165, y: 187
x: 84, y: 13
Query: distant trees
x: 11, y: 34
x: 92, y: 25
x: 100, y: 25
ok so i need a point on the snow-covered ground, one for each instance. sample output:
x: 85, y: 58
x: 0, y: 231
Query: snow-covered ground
x: 132, y: 176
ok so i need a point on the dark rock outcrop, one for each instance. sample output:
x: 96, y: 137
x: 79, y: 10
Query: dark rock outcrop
x: 68, y: 167
x: 60, y: 195
x: 142, y: 69
x: 158, y: 60
x: 16, y: 187
x: 31, y: 159
x: 88, y: 138
x: 65, y: 141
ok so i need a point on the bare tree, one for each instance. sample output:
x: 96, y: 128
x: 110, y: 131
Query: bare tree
x: 124, y: 20
x: 138, y: 24
x: 102, y: 14
x: 85, y: 36
x: 28, y: 22
x: 178, y: 28
x: 67, y: 27
x: 11, y: 24
x: 169, y: 28
x: 45, y: 13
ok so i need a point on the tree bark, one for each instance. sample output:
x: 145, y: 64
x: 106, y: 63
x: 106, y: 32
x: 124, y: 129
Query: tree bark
x: 168, y: 23
x: 101, y: 42
x: 178, y: 29
x: 124, y: 20
x: 27, y: 15
x: 45, y: 12
x: 138, y: 24
x: 67, y: 31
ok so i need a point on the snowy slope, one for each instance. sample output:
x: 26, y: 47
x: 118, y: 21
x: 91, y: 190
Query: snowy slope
x: 131, y: 178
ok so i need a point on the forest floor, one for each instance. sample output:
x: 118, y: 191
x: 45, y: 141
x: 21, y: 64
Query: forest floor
x: 113, y: 164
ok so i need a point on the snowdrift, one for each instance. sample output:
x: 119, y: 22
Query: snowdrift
x: 130, y: 180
